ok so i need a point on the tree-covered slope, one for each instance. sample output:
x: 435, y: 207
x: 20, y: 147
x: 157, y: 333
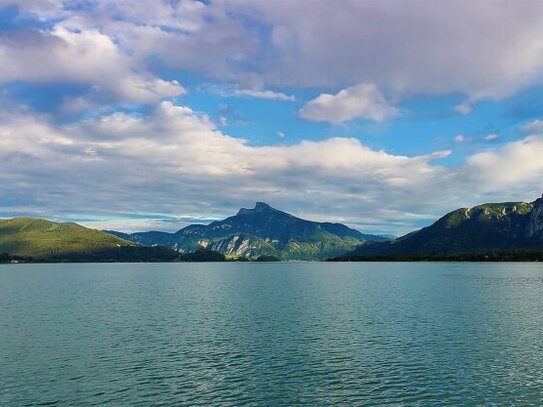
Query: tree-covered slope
x: 43, y: 240
x: 487, y: 228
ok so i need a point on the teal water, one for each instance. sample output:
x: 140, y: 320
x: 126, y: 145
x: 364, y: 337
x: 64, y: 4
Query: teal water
x: 236, y: 334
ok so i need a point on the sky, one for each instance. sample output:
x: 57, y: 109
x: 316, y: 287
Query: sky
x: 383, y: 115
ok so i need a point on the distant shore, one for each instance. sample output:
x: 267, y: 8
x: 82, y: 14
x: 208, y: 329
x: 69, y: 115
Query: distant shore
x: 462, y: 257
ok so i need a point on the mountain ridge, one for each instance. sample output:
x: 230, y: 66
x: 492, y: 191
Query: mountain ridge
x: 507, y: 230
x: 486, y: 228
x: 262, y: 230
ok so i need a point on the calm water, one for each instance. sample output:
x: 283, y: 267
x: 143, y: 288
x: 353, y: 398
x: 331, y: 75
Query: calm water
x: 271, y: 334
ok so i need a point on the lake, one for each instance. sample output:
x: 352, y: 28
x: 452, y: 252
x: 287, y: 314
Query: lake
x: 236, y: 334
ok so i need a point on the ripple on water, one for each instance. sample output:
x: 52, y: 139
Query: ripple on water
x: 283, y: 334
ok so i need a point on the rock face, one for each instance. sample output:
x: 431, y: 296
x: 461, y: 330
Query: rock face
x: 241, y: 245
x: 493, y: 227
x: 535, y: 224
x: 259, y: 231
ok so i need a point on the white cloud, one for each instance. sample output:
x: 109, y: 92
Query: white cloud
x: 460, y: 138
x: 87, y: 57
x: 360, y: 101
x: 535, y: 126
x: 187, y: 34
x: 230, y: 90
x: 264, y: 94
x: 491, y: 137
x: 464, y: 108
x: 516, y: 165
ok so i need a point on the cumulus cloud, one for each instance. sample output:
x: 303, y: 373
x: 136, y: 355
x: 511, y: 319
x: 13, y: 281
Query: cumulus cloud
x: 535, y: 126
x: 360, y: 101
x: 84, y: 57
x: 187, y: 34
x: 516, y: 165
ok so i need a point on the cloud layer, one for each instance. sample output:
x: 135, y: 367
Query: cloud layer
x: 477, y: 48
x: 177, y: 163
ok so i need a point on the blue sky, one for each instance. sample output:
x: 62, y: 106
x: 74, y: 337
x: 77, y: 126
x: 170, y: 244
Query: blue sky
x: 156, y: 114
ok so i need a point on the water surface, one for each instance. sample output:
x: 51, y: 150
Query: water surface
x: 234, y: 334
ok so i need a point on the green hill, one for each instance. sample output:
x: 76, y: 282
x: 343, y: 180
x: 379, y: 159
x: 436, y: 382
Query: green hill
x: 512, y: 229
x: 43, y: 240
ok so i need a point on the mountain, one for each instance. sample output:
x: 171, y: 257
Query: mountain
x: 511, y: 227
x: 42, y: 240
x: 261, y: 231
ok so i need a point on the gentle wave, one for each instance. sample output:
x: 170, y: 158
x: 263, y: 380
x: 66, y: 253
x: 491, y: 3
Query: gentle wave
x: 271, y: 334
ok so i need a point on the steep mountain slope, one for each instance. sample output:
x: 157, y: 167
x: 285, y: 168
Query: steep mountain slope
x: 49, y: 241
x: 261, y: 231
x: 493, y: 227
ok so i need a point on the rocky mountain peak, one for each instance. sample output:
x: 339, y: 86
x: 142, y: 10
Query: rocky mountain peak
x: 262, y: 206
x: 259, y: 207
